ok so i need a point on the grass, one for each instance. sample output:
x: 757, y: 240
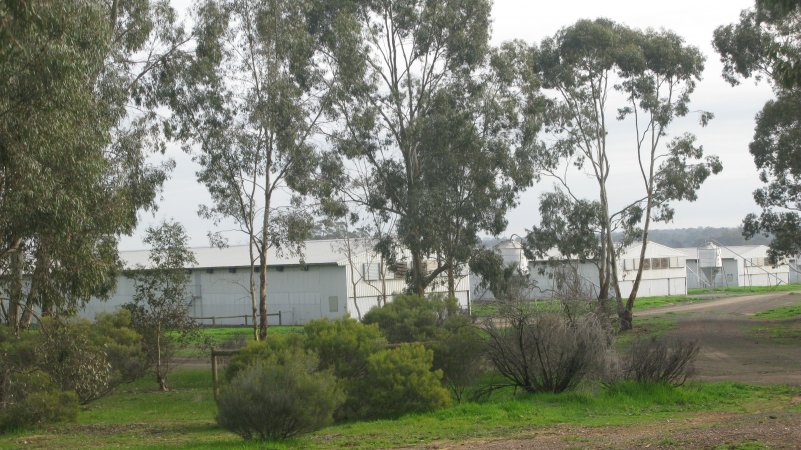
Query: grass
x: 745, y: 289
x: 646, y: 327
x: 139, y: 416
x: 782, y: 312
x: 788, y: 333
x: 490, y: 308
x: 643, y: 303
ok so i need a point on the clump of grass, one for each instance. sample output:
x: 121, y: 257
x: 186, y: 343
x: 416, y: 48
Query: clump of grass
x: 647, y: 327
x: 644, y: 303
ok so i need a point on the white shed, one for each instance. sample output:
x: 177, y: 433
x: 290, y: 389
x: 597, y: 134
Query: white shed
x: 740, y: 265
x: 317, y: 284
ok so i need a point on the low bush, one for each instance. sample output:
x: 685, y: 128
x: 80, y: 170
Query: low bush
x: 412, y: 318
x: 276, y: 348
x: 399, y: 381
x: 274, y: 399
x: 459, y: 354
x: 67, y: 354
x: 344, y: 347
x: 663, y: 360
x: 30, y: 398
x: 122, y: 344
x: 546, y: 352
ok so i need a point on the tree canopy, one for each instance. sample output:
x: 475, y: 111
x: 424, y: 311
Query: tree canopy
x: 765, y: 44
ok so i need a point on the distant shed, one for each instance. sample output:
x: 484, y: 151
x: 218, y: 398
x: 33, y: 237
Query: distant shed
x: 741, y: 265
x: 326, y: 281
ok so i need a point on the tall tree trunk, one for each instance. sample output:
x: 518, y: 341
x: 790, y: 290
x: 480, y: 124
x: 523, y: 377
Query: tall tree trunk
x: 160, y: 376
x: 418, y: 273
x: 15, y: 289
x: 264, y: 247
x: 252, y: 280
x: 451, y: 280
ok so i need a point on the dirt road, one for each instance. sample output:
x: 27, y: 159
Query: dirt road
x: 730, y: 347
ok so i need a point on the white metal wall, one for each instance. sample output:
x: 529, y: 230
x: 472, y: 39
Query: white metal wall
x: 300, y: 295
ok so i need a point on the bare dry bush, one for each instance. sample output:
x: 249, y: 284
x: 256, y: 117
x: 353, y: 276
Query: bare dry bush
x: 545, y: 352
x: 665, y: 360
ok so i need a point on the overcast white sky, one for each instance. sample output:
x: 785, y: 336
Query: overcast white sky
x: 723, y: 201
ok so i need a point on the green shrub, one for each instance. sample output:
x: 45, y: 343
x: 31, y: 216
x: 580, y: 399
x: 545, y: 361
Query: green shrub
x: 276, y: 400
x: 399, y: 381
x: 275, y: 349
x: 123, y: 346
x: 459, y: 354
x: 344, y: 347
x: 31, y: 399
x: 411, y: 318
x: 67, y: 354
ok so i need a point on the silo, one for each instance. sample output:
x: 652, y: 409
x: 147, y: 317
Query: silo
x: 710, y: 263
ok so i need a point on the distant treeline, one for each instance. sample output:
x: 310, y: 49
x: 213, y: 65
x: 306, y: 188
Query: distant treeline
x: 694, y: 237
x: 689, y: 237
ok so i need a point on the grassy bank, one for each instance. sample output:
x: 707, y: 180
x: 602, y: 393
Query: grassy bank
x: 138, y: 416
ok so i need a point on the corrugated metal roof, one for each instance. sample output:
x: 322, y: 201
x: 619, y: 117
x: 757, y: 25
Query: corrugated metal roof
x: 329, y: 251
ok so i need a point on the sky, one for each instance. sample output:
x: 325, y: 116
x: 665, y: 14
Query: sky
x: 724, y: 199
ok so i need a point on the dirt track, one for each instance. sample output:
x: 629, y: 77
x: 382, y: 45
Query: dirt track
x: 730, y: 350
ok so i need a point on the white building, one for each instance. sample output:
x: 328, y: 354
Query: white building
x: 327, y: 280
x: 742, y: 265
x: 664, y: 271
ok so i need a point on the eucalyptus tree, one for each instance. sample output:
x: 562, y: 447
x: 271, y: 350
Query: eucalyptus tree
x: 159, y: 307
x: 434, y: 115
x: 76, y: 127
x: 590, y: 67
x: 250, y: 103
x: 765, y: 44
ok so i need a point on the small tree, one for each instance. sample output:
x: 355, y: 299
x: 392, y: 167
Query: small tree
x: 159, y: 304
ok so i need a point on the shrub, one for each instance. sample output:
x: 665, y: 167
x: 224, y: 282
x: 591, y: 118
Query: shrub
x: 545, y: 351
x: 344, y: 347
x: 275, y: 349
x: 459, y: 353
x: 31, y: 399
x: 665, y: 360
x: 399, y: 381
x: 276, y: 400
x: 411, y: 318
x: 122, y: 344
x: 67, y: 354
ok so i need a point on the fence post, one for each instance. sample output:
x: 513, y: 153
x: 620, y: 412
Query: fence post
x: 214, y: 380
x: 246, y: 320
x: 280, y: 322
x: 214, y: 321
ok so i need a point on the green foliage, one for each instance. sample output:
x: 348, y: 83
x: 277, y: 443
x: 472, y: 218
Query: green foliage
x: 122, y: 344
x: 764, y: 43
x: 67, y: 354
x: 74, y: 162
x: 277, y: 349
x: 344, y: 346
x: 399, y: 381
x: 276, y: 399
x: 467, y: 148
x: 35, y: 400
x: 459, y: 354
x: 411, y: 318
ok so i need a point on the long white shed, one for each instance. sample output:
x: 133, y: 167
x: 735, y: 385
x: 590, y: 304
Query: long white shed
x: 330, y: 278
x: 740, y: 265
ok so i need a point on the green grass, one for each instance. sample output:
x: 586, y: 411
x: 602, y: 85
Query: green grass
x: 138, y: 416
x: 782, y: 312
x: 643, y: 303
x: 490, y: 308
x: 745, y: 289
x: 787, y: 333
x: 646, y: 327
